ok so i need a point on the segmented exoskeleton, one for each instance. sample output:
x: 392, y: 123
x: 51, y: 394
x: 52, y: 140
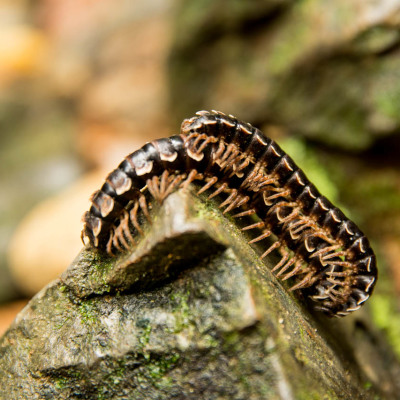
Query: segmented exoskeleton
x: 323, y: 252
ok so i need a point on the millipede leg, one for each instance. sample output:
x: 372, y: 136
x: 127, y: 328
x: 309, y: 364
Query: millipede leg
x: 133, y: 217
x: 292, y: 216
x: 276, y: 207
x: 239, y: 201
x: 340, y: 263
x: 255, y: 180
x: 218, y: 191
x: 305, y: 282
x: 264, y: 181
x: 341, y: 274
x: 286, y: 266
x: 336, y: 282
x: 267, y: 199
x: 197, y: 141
x: 281, y: 263
x: 270, y: 249
x: 228, y: 152
x: 125, y: 227
x: 164, y: 183
x: 295, y: 233
x: 244, y: 164
x: 143, y: 206
x: 333, y: 255
x: 153, y: 186
x: 207, y: 186
x: 299, y: 222
x: 260, y: 225
x: 232, y: 161
x: 109, y: 244
x: 324, y: 250
x: 164, y: 186
x: 176, y: 181
x: 121, y: 237
x: 115, y: 241
x: 232, y: 197
x: 206, y: 143
x: 263, y: 236
x: 220, y: 151
x: 236, y: 169
x: 84, y: 238
x: 297, y: 268
x: 331, y: 295
x: 246, y: 213
x: 190, y: 178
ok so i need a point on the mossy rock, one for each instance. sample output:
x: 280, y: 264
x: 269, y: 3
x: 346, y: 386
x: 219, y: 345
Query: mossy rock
x: 191, y: 313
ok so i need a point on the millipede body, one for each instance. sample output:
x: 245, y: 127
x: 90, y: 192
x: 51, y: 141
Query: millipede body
x: 321, y: 251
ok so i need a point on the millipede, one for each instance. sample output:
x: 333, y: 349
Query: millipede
x: 322, y: 252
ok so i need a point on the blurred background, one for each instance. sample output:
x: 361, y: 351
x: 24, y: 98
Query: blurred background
x: 83, y: 83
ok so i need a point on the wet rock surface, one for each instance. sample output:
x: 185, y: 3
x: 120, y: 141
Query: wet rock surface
x: 192, y: 313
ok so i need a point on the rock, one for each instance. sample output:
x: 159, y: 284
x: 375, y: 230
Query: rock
x: 191, y: 313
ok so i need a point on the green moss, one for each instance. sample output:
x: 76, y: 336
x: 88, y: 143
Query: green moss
x: 61, y: 382
x: 302, y: 335
x: 210, y: 341
x: 111, y: 381
x: 156, y: 369
x: 231, y: 341
x: 118, y: 373
x: 60, y: 324
x: 181, y: 311
x: 88, y: 311
x: 145, y: 332
x: 61, y: 308
x: 160, y: 367
x: 102, y: 266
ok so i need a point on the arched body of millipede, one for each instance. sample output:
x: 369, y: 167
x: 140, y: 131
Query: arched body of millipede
x: 323, y: 252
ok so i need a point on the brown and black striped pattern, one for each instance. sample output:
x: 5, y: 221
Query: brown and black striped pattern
x: 321, y: 251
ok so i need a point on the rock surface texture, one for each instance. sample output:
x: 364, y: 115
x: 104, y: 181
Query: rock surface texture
x: 191, y: 313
